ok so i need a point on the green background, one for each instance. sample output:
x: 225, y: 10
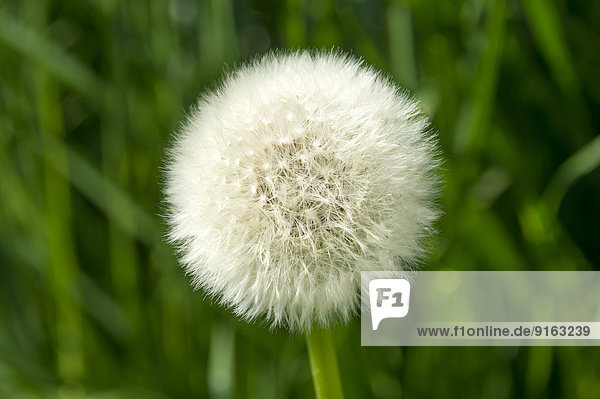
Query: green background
x: 92, y: 301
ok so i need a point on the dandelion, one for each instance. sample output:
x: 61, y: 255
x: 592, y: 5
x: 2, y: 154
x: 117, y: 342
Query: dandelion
x: 300, y: 171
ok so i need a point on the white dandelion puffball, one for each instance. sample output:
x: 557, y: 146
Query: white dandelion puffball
x: 297, y: 173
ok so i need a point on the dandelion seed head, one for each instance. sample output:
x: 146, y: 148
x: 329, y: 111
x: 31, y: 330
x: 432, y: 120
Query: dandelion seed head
x: 326, y: 169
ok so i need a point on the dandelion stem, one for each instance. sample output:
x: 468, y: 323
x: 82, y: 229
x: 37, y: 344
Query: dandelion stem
x: 323, y: 363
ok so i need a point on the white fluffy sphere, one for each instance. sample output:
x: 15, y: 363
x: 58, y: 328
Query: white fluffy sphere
x: 297, y: 173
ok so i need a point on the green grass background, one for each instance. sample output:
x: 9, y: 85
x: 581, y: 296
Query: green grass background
x: 92, y: 301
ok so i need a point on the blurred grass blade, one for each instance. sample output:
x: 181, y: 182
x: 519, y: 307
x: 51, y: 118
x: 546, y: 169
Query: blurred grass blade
x: 217, y: 32
x: 491, y: 241
x: 475, y: 114
x: 579, y: 164
x: 539, y: 368
x: 546, y: 28
x: 14, y: 196
x: 32, y: 45
x: 224, y: 35
x: 62, y: 259
x: 402, y: 52
x: 116, y: 164
x: 221, y: 358
x: 102, y: 307
x: 99, y: 190
x: 294, y: 28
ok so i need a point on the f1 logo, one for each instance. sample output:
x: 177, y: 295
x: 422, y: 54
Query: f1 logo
x: 389, y: 298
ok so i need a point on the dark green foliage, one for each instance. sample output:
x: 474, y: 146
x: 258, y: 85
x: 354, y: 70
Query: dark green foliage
x: 92, y: 302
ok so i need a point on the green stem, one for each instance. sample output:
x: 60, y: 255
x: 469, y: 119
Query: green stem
x: 323, y: 364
